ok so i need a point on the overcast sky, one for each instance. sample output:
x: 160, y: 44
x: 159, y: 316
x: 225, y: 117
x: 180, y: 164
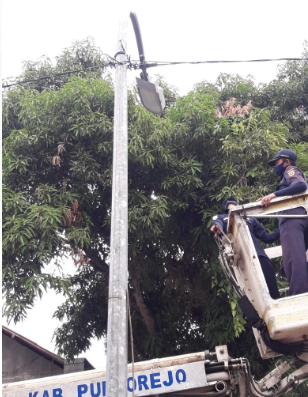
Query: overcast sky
x: 172, y: 30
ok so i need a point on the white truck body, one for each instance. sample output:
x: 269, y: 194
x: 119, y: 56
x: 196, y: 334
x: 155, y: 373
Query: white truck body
x: 153, y: 377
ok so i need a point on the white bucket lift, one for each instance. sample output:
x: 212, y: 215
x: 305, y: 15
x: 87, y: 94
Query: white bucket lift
x: 286, y: 318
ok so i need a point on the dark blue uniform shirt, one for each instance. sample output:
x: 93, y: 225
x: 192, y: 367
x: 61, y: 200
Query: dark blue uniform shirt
x: 294, y: 233
x: 257, y: 232
x: 292, y: 175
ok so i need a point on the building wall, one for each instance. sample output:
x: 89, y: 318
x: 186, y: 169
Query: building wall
x: 21, y: 363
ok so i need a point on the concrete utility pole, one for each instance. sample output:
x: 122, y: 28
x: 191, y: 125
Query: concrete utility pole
x: 116, y: 374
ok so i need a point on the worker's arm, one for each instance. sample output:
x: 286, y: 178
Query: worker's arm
x: 296, y: 184
x: 261, y: 233
x: 217, y: 225
x: 296, y: 188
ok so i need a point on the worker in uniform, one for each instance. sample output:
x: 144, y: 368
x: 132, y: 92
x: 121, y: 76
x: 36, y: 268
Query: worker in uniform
x: 257, y: 231
x: 293, y: 231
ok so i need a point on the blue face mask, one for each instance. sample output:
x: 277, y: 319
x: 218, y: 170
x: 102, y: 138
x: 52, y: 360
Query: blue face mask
x: 280, y: 169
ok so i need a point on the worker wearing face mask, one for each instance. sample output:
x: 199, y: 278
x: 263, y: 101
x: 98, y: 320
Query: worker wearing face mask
x: 293, y: 231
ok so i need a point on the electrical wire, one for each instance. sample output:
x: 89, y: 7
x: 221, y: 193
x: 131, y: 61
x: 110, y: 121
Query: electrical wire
x: 225, y: 267
x: 131, y: 341
x: 169, y: 63
x: 92, y: 68
x: 134, y: 65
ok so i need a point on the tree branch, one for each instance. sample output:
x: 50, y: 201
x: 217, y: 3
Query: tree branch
x: 149, y: 322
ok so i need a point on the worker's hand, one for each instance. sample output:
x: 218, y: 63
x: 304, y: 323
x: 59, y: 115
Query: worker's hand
x: 267, y: 199
x: 215, y: 229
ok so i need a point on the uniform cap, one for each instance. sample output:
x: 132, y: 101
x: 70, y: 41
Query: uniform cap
x: 283, y: 154
x: 229, y: 200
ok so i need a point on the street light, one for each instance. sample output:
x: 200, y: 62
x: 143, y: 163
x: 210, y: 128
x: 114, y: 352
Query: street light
x: 151, y: 95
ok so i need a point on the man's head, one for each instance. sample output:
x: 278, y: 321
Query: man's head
x: 284, y: 156
x: 228, y: 203
x: 283, y: 159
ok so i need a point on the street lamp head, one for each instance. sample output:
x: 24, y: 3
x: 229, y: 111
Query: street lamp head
x: 151, y: 96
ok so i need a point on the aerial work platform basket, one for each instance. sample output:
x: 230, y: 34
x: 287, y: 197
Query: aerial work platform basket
x: 286, y: 318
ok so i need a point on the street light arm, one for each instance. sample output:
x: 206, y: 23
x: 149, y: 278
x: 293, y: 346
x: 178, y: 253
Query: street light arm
x: 136, y: 27
x: 151, y: 95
